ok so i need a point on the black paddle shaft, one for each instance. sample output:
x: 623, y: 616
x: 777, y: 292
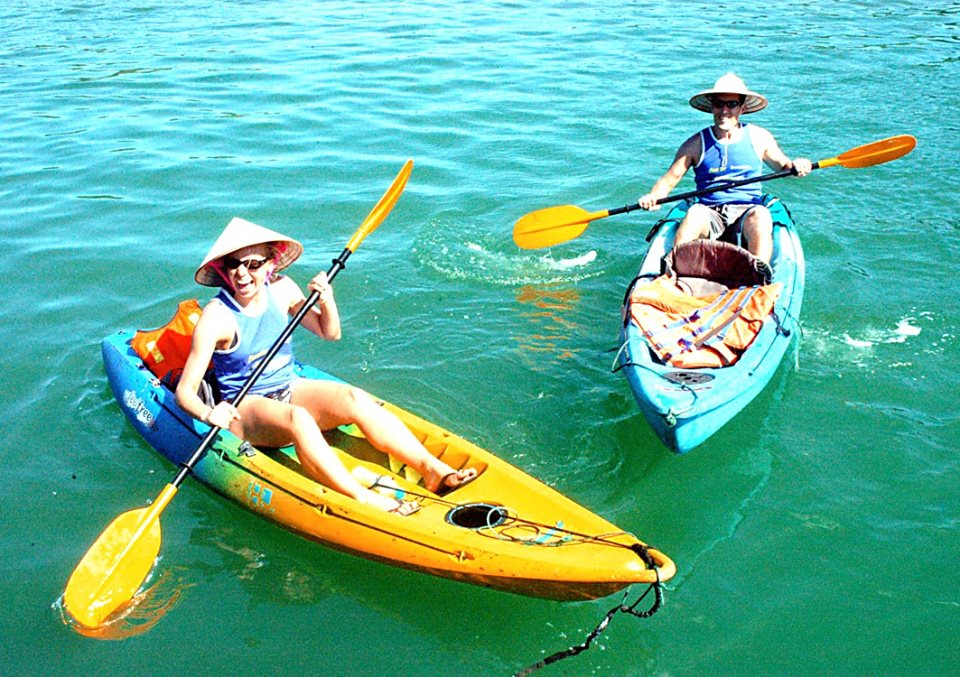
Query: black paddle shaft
x: 713, y: 189
x: 339, y: 264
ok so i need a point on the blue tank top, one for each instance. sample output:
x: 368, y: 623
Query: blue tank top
x: 255, y: 335
x: 721, y: 162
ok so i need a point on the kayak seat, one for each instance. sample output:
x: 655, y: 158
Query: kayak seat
x: 704, y: 267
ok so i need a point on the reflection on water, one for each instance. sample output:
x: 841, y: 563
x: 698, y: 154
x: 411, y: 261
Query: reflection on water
x: 548, y: 327
x: 289, y: 582
x: 138, y: 615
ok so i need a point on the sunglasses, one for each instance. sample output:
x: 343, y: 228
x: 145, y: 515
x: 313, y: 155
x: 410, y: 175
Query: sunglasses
x: 251, y: 264
x: 729, y: 105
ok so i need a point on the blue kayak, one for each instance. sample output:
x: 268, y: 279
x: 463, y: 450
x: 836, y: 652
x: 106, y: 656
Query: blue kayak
x: 686, y: 405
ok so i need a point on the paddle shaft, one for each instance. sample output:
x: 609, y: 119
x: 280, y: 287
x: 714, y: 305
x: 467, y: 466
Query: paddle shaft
x: 186, y: 468
x: 374, y: 218
x: 712, y: 189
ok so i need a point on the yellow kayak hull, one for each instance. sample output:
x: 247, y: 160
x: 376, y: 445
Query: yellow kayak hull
x: 504, y: 530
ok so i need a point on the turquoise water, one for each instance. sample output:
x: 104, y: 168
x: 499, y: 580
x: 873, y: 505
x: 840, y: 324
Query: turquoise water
x: 817, y: 533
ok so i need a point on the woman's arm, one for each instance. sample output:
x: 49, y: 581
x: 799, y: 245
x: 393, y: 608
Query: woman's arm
x: 214, y: 327
x: 324, y: 318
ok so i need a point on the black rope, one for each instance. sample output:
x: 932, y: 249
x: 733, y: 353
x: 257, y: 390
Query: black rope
x: 516, y: 520
x: 642, y: 551
x: 657, y: 588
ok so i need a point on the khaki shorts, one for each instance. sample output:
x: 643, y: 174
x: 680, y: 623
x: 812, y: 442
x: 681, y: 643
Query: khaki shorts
x: 727, y: 217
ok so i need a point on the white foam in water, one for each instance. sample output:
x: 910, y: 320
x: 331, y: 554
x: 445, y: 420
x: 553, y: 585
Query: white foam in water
x: 471, y: 259
x: 904, y: 328
x: 856, y: 343
x: 566, y: 264
x: 903, y: 331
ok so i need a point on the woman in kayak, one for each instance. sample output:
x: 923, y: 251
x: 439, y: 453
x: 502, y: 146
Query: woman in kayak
x: 238, y: 327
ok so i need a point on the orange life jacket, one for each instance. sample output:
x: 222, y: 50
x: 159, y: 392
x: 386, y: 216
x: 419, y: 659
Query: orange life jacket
x: 164, y: 350
x: 689, y: 331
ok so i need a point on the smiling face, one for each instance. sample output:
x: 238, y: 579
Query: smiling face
x: 726, y: 110
x: 245, y: 270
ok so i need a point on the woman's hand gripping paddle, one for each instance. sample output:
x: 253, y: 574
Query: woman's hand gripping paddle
x: 118, y: 562
x: 553, y: 225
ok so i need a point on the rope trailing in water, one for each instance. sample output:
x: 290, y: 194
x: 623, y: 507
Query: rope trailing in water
x: 640, y: 549
x: 602, y: 625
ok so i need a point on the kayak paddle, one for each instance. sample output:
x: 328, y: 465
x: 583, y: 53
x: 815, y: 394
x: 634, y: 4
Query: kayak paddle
x: 118, y: 562
x: 553, y: 225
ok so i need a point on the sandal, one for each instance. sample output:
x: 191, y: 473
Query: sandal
x: 444, y: 488
x: 764, y: 270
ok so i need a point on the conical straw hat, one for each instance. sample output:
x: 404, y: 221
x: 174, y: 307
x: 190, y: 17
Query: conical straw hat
x: 729, y: 84
x: 238, y: 234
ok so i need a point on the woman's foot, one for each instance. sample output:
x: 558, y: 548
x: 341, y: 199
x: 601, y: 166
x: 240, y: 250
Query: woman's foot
x: 405, y: 508
x: 387, y: 504
x: 455, y: 479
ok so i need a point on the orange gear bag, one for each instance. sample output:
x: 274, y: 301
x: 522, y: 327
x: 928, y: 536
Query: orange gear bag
x: 164, y: 350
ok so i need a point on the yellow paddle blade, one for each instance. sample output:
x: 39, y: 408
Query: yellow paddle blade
x: 382, y: 208
x: 118, y: 562
x: 874, y: 153
x: 553, y: 225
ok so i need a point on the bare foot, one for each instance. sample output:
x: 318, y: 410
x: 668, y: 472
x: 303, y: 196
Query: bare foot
x: 444, y: 484
x: 387, y: 504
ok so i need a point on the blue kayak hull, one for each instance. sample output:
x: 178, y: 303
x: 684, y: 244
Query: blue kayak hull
x: 686, y: 406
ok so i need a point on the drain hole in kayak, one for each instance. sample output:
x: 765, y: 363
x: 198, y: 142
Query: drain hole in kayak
x: 688, y: 377
x: 477, y: 516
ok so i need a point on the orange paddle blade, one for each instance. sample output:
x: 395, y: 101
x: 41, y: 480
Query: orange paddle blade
x: 382, y: 208
x: 874, y: 153
x: 116, y: 565
x: 553, y: 225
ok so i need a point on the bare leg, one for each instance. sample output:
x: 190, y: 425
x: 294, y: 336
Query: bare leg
x: 334, y: 404
x: 269, y: 423
x: 758, y: 233
x: 695, y: 225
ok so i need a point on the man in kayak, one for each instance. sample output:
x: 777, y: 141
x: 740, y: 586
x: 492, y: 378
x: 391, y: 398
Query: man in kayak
x: 727, y: 151
x: 240, y: 325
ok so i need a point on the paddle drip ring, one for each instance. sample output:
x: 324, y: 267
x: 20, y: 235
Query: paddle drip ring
x: 477, y: 516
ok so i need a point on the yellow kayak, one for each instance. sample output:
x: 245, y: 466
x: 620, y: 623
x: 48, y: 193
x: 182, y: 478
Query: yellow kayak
x: 504, y: 530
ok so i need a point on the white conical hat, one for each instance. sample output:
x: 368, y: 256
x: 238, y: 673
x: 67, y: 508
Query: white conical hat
x: 238, y: 234
x: 729, y: 84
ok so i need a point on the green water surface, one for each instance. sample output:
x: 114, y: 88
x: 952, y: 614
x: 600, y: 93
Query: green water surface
x: 818, y: 533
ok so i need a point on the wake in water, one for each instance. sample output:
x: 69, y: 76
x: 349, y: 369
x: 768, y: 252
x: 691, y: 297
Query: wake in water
x: 871, y: 347
x: 484, y: 258
x: 903, y: 331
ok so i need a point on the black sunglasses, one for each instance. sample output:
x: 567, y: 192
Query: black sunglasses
x: 729, y: 105
x: 231, y: 263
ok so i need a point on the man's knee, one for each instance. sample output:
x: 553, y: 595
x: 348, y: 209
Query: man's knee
x: 697, y: 222
x: 758, y: 217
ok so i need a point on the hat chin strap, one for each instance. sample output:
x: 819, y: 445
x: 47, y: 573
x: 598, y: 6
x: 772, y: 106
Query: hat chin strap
x: 269, y: 273
x: 226, y: 278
